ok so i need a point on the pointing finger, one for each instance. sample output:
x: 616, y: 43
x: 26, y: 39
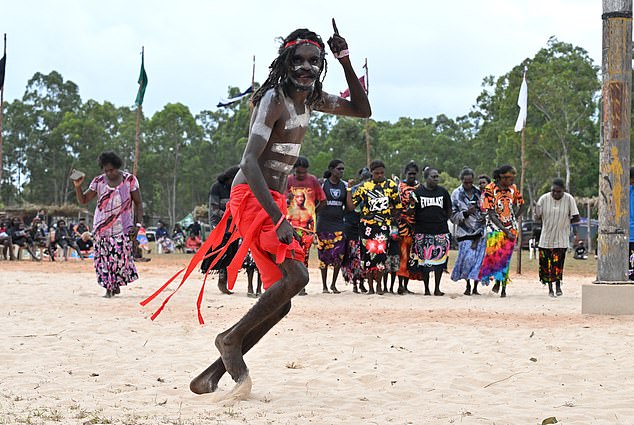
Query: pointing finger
x: 334, y: 26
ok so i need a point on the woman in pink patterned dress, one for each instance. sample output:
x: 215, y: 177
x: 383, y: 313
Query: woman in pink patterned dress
x: 116, y: 214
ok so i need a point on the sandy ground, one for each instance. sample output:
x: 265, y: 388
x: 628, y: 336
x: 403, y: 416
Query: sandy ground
x: 68, y: 355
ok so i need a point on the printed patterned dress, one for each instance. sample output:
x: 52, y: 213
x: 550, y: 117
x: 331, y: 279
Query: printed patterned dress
x: 377, y: 202
x: 114, y: 218
x: 499, y: 248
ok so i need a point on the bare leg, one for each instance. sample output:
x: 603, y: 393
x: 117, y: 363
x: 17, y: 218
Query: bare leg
x: 392, y: 280
x: 222, y: 282
x: 324, y: 278
x: 230, y: 342
x: 437, y: 276
x: 379, y: 279
x: 333, y: 285
x: 370, y: 277
x: 362, y: 286
x: 426, y: 282
x: 258, y: 291
x: 467, y: 290
x: 207, y: 381
x: 250, y: 273
x: 475, y: 288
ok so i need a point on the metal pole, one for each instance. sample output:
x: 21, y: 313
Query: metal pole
x: 614, y: 161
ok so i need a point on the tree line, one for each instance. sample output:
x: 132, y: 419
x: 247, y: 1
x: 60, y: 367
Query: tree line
x: 50, y: 131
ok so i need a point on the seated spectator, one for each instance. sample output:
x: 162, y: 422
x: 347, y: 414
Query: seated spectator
x: 65, y: 240
x: 581, y: 252
x: 193, y: 243
x: 142, y: 239
x: 85, y: 243
x: 39, y: 235
x: 178, y: 237
x: 21, y: 237
x: 6, y: 244
x: 80, y: 228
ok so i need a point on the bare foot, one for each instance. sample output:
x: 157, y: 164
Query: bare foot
x: 438, y: 293
x: 231, y: 355
x: 325, y: 291
x: 207, y: 381
x: 334, y: 290
x: 222, y: 286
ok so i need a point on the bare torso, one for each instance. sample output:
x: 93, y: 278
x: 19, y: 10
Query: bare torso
x: 283, y: 147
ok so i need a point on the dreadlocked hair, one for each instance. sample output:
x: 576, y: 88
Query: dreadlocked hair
x: 278, y: 70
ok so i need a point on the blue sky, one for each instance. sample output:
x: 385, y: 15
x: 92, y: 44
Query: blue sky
x: 425, y: 58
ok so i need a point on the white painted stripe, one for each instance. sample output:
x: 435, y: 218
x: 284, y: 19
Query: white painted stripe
x: 278, y: 166
x: 262, y: 130
x: 286, y: 148
x: 294, y: 121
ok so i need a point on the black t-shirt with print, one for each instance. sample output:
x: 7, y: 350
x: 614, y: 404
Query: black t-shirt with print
x: 330, y: 217
x: 431, y: 210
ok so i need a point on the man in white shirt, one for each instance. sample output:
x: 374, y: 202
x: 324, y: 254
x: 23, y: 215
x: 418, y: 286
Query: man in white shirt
x: 556, y: 210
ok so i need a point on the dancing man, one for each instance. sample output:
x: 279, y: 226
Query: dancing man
x: 282, y: 107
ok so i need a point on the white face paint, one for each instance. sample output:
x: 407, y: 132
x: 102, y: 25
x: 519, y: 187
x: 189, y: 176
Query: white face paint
x: 294, y: 121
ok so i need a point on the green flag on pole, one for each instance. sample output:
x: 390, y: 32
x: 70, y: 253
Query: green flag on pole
x: 142, y: 83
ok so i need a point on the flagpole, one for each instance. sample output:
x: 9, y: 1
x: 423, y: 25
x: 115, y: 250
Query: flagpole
x: 519, y: 233
x: 1, y: 110
x: 253, y: 77
x: 139, y: 108
x: 367, y: 120
x: 522, y: 169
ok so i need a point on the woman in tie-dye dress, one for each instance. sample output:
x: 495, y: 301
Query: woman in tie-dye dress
x: 118, y: 210
x: 498, y: 200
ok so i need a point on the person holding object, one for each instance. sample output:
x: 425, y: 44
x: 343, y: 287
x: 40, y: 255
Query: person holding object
x: 118, y: 211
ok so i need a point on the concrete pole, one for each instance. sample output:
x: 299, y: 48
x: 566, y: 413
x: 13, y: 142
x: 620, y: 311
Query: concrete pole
x: 614, y: 162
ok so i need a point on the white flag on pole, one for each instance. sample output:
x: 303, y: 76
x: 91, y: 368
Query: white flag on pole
x: 522, y: 102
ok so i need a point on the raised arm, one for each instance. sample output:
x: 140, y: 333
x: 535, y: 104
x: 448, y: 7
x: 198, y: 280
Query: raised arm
x: 358, y: 105
x: 83, y: 197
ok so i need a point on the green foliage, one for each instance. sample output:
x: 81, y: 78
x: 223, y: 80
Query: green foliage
x: 50, y: 131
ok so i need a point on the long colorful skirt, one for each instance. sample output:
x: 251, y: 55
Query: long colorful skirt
x: 405, y: 246
x: 113, y: 262
x: 331, y: 249
x: 306, y: 243
x: 551, y: 264
x: 351, y: 268
x: 429, y: 252
x: 469, y: 260
x: 374, y: 239
x: 497, y: 258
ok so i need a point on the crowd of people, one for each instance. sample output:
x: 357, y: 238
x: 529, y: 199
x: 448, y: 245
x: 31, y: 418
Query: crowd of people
x: 378, y: 233
x: 381, y: 233
x: 43, y: 238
